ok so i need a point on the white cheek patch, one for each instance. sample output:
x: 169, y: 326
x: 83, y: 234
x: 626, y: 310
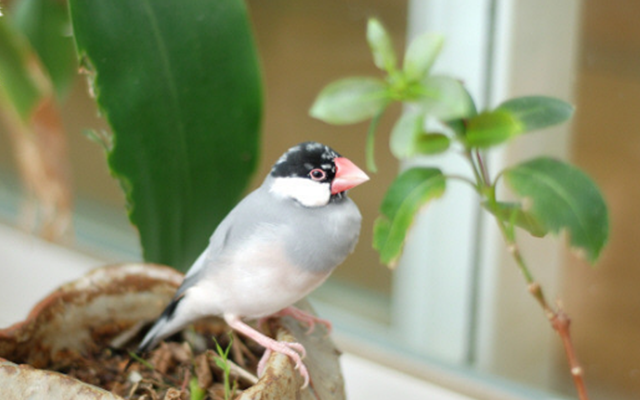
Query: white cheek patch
x: 305, y: 191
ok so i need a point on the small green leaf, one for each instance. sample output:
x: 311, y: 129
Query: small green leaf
x: 445, y: 98
x: 350, y: 100
x: 197, y: 393
x: 491, y: 128
x: 431, y: 143
x: 458, y: 126
x: 381, y: 46
x: 421, y: 54
x: 563, y: 197
x: 406, y: 195
x: 537, y: 112
x: 514, y: 215
x: 404, y: 132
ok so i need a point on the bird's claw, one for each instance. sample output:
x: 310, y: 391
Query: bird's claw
x: 295, y: 351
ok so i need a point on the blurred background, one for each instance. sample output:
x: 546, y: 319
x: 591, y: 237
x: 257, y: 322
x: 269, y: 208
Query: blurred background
x: 456, y: 310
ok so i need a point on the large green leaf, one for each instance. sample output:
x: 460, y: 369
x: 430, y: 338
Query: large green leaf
x: 563, y: 197
x: 46, y: 24
x: 406, y: 195
x: 537, y: 112
x: 179, y: 84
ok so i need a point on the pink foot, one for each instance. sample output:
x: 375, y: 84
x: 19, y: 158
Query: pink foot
x: 305, y: 317
x: 295, y: 351
x: 263, y: 362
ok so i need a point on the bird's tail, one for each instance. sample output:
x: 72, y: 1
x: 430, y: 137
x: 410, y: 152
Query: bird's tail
x: 163, y: 327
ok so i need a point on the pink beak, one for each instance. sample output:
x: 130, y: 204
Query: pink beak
x: 348, y: 175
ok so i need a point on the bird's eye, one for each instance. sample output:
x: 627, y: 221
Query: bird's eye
x: 317, y: 174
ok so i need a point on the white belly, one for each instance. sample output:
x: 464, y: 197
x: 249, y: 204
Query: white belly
x: 253, y: 283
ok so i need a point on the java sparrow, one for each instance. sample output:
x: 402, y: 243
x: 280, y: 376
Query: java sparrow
x: 276, y: 246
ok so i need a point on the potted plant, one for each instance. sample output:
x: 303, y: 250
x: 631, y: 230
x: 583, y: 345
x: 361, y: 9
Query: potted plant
x: 440, y: 116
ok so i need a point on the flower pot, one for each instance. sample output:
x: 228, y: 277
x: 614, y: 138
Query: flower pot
x: 108, y: 301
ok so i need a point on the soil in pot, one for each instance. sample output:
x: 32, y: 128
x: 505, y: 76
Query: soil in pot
x: 85, y: 329
x: 171, y: 370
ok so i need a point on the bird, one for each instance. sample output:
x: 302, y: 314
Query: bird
x: 274, y: 247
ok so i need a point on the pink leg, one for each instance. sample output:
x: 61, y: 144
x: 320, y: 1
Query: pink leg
x: 293, y: 350
x: 305, y: 317
x: 263, y: 362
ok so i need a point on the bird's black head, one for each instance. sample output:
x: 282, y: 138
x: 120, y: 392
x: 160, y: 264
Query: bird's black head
x: 310, y: 160
x: 314, y: 175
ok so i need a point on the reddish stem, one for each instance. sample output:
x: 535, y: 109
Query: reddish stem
x: 561, y: 322
x: 559, y: 319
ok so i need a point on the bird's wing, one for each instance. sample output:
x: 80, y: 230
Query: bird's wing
x: 239, y: 223
x: 208, y: 256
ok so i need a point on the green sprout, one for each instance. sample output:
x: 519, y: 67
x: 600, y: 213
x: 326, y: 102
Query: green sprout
x: 222, y: 361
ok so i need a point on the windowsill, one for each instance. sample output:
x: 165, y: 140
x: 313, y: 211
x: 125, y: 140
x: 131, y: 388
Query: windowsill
x: 368, y: 380
x: 29, y: 262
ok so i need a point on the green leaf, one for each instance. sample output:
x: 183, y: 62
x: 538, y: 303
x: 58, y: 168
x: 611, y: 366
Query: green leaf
x: 46, y: 24
x: 514, y: 215
x: 371, y: 141
x: 563, y: 197
x: 458, y: 127
x: 404, y: 132
x: 431, y: 143
x: 197, y: 393
x: 408, y: 138
x: 445, y: 98
x: 21, y: 81
x: 421, y: 54
x: 406, y: 195
x: 381, y: 46
x: 491, y: 128
x: 350, y: 100
x: 179, y: 84
x: 537, y: 112
x: 141, y: 360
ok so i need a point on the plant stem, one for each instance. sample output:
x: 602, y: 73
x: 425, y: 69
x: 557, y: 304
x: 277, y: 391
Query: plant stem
x: 559, y: 320
x: 561, y: 324
x: 464, y: 179
x: 483, y: 169
x: 474, y: 168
